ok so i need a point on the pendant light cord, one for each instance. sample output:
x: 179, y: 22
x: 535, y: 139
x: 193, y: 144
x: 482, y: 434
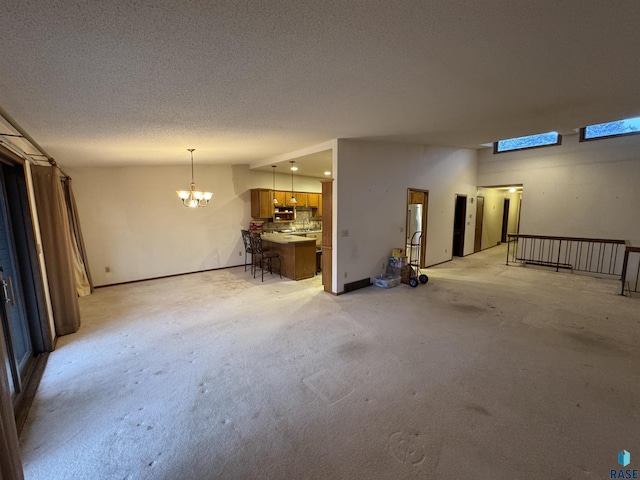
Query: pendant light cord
x: 191, y: 150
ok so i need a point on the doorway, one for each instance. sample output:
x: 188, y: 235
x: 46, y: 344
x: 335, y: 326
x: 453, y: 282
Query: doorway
x: 459, y: 222
x: 505, y: 220
x: 416, y: 228
x: 477, y: 244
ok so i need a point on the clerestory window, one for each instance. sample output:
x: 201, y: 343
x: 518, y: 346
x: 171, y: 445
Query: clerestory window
x: 530, y: 141
x: 619, y: 128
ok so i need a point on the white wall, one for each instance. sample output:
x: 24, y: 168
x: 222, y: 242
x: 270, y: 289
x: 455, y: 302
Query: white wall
x: 371, y: 196
x: 134, y: 223
x: 587, y: 189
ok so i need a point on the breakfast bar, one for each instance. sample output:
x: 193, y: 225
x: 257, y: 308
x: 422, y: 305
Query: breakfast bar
x: 298, y: 254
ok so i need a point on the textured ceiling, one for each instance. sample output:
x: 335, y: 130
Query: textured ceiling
x: 139, y: 82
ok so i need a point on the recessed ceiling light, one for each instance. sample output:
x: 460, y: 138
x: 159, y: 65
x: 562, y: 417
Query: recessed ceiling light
x: 512, y: 190
x: 327, y: 173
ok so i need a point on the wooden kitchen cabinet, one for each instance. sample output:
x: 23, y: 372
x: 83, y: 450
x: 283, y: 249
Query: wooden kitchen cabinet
x: 281, y: 197
x: 298, y: 255
x: 262, y: 206
x: 287, y: 198
x: 312, y: 200
x: 261, y: 203
x: 301, y: 197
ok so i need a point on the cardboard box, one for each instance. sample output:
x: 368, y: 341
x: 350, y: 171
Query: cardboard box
x: 398, y: 252
x: 404, y: 273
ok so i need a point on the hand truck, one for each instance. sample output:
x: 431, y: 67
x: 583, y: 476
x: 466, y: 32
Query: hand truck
x: 414, y: 263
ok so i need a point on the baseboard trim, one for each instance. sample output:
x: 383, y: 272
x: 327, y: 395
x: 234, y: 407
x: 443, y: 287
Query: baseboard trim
x: 168, y: 276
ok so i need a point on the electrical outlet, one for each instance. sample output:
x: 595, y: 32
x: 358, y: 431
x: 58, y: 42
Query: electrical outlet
x: 445, y: 250
x: 240, y: 253
x: 107, y: 269
x: 345, y: 274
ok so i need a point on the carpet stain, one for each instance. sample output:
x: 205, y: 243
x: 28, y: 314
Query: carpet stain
x: 478, y: 409
x: 594, y: 342
x: 467, y: 308
x: 353, y: 349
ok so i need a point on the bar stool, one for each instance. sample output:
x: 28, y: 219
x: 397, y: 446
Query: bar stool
x: 246, y: 239
x: 263, y: 256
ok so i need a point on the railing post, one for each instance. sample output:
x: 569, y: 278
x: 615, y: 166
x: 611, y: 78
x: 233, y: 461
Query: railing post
x: 508, y: 245
x: 558, y: 260
x: 624, y: 269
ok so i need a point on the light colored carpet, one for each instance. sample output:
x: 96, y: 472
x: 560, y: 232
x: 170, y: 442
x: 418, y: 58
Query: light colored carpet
x: 487, y: 372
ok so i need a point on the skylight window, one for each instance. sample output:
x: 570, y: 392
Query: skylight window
x: 530, y: 141
x: 628, y: 126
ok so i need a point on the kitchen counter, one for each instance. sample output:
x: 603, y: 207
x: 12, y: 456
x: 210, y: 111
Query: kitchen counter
x: 284, y: 238
x: 298, y: 254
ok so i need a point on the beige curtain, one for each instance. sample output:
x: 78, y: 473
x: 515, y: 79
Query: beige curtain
x: 58, y: 248
x: 84, y: 285
x: 10, y: 462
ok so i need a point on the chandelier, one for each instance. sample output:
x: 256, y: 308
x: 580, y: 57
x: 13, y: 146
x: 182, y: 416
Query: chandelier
x: 194, y: 198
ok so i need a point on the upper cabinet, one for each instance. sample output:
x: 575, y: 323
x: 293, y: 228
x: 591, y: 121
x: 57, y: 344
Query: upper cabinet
x: 261, y: 203
x: 262, y: 206
x: 281, y: 197
x: 301, y: 198
x: 284, y: 198
x: 312, y: 199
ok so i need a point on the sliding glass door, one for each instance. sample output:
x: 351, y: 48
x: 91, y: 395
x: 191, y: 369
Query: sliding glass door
x: 13, y: 313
